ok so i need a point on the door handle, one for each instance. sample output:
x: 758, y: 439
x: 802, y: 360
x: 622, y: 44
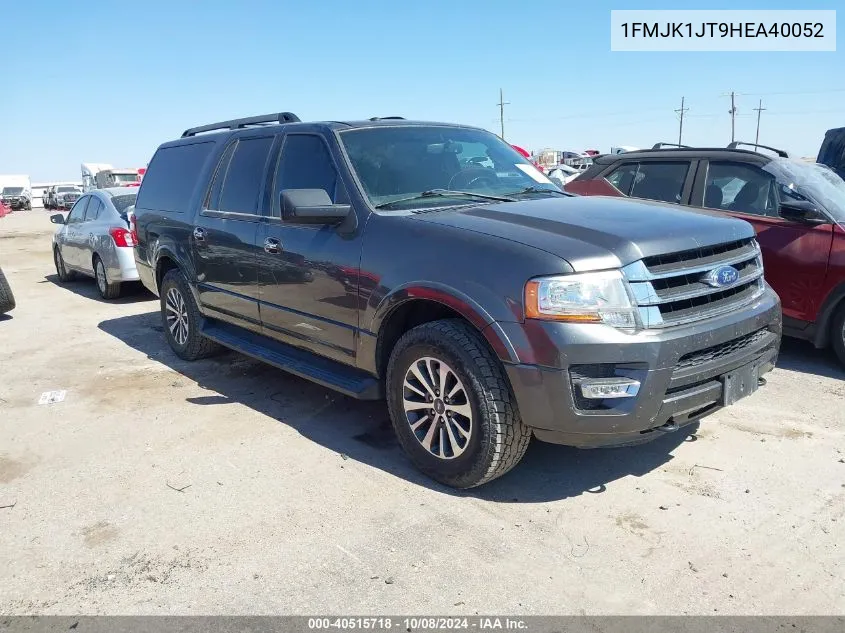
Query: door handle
x: 272, y: 245
x: 199, y: 234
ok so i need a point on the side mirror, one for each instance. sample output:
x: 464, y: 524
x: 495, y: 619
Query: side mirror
x: 801, y: 211
x: 57, y: 218
x: 312, y: 206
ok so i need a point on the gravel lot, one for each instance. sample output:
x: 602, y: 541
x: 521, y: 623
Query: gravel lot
x: 226, y: 486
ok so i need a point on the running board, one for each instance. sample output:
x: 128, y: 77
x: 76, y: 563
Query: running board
x: 347, y: 380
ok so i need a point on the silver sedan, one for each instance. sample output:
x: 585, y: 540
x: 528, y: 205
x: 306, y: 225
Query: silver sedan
x: 95, y: 240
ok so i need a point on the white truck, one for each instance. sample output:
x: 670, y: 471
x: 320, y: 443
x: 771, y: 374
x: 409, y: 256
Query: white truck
x: 16, y: 191
x: 103, y: 176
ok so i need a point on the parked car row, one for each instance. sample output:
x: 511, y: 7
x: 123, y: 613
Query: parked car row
x: 61, y: 196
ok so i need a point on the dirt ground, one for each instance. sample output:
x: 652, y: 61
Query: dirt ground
x: 226, y: 486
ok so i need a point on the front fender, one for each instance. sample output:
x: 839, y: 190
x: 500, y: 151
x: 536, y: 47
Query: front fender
x: 452, y: 298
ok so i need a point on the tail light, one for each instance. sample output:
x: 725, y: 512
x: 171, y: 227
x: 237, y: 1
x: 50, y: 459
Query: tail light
x: 133, y: 226
x: 122, y: 237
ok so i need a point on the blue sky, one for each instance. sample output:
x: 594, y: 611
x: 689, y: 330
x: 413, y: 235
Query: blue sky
x: 118, y: 78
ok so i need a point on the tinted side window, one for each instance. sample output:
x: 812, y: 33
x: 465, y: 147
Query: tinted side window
x: 305, y: 163
x: 739, y: 187
x: 94, y: 209
x: 245, y: 175
x: 213, y: 197
x: 172, y: 176
x: 77, y: 213
x: 623, y: 177
x: 660, y: 181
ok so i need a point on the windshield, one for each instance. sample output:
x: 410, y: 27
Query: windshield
x: 123, y: 202
x: 67, y: 189
x: 125, y: 177
x: 397, y: 163
x: 12, y: 191
x: 812, y: 181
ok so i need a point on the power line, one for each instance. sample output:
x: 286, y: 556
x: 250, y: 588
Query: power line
x: 502, y: 103
x: 681, y: 110
x: 759, y: 110
x: 732, y: 112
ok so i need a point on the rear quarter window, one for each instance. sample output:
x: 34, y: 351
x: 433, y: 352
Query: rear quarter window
x: 172, y: 176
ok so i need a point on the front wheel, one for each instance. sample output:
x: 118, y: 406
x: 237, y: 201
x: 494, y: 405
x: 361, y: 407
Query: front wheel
x: 62, y: 272
x: 452, y: 407
x: 181, y: 319
x: 837, y: 333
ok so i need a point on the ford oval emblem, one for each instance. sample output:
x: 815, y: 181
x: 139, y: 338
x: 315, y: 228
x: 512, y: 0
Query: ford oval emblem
x: 721, y: 277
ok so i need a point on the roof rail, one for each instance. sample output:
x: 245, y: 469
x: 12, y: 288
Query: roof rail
x: 235, y: 124
x: 662, y: 145
x: 779, y: 152
x: 388, y: 118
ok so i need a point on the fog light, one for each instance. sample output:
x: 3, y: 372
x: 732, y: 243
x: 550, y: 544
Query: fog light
x: 600, y: 388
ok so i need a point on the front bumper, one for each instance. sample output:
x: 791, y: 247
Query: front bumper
x: 681, y: 373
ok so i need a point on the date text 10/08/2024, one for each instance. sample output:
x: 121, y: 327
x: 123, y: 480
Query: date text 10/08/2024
x: 794, y: 30
x: 479, y: 623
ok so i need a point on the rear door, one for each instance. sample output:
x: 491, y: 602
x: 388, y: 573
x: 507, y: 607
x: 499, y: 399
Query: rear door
x: 225, y: 233
x: 663, y: 180
x: 795, y: 256
x: 87, y: 231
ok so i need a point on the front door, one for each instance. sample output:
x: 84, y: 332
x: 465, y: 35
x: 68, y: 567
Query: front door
x: 309, y: 273
x: 224, y: 236
x: 70, y: 244
x: 795, y: 256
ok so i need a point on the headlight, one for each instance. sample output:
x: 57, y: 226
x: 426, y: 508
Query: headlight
x: 598, y: 297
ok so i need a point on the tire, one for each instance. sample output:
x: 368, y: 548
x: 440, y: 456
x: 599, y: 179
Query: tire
x: 837, y: 333
x: 62, y: 272
x: 107, y: 290
x: 481, y: 402
x: 7, y: 299
x: 29, y: 206
x: 181, y: 319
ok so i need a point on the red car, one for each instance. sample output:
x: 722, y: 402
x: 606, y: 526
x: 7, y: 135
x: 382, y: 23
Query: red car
x: 528, y: 156
x: 797, y: 209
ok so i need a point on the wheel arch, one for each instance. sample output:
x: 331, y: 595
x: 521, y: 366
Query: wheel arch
x: 831, y: 304
x: 414, y: 304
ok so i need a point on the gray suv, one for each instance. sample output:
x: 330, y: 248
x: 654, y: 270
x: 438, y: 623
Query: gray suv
x: 433, y: 266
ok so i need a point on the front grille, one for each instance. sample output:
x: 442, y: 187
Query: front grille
x: 670, y: 289
x: 721, y: 351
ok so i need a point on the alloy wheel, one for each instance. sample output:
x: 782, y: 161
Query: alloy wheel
x: 177, y: 316
x: 437, y: 408
x: 101, y: 276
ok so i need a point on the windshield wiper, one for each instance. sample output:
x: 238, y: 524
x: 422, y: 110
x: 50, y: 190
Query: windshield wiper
x: 445, y: 193
x: 533, y: 189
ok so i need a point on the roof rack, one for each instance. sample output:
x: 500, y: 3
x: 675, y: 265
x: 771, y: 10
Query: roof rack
x: 386, y: 118
x: 662, y: 145
x: 779, y: 152
x: 235, y: 124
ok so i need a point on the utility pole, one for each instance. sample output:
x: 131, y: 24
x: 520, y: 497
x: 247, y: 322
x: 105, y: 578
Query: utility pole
x: 733, y: 117
x: 681, y: 111
x: 502, y: 103
x: 759, y: 110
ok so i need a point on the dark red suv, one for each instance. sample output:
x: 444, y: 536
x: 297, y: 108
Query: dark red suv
x: 797, y: 209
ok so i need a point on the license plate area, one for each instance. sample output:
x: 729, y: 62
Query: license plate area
x: 739, y: 383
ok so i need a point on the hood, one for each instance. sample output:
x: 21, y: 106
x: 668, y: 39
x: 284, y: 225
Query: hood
x: 595, y: 233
